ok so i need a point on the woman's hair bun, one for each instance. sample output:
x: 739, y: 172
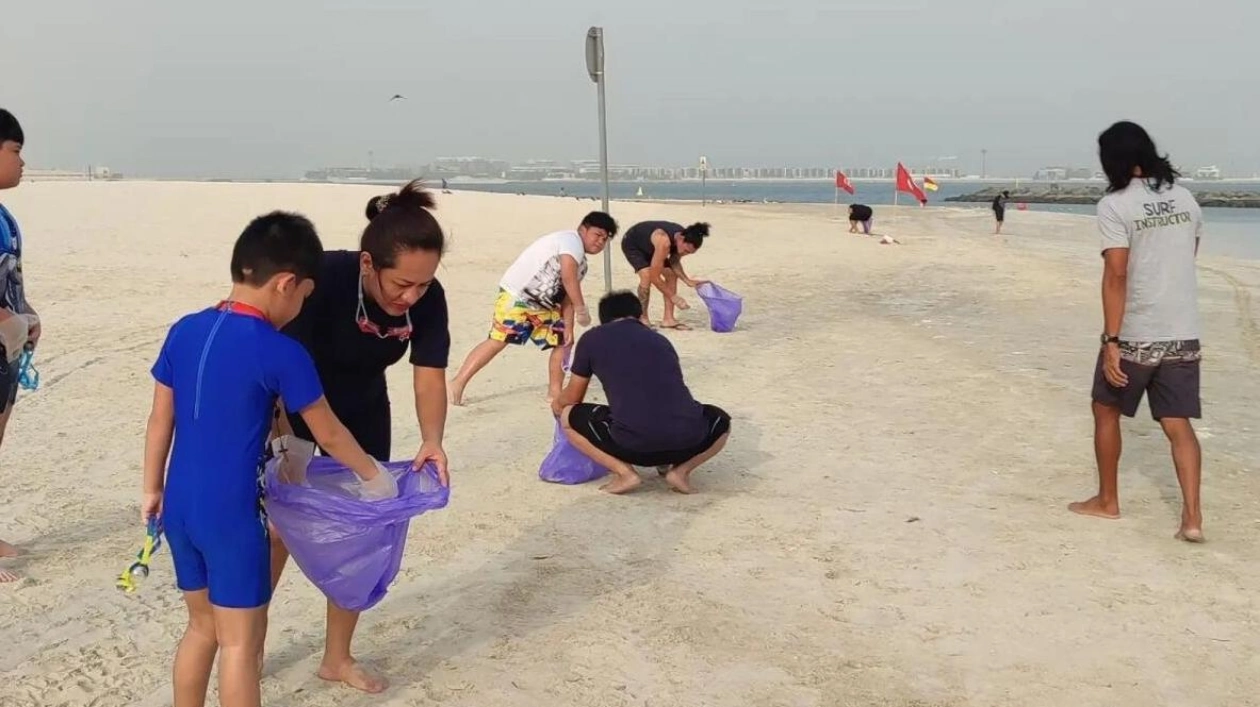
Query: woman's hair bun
x: 411, y: 196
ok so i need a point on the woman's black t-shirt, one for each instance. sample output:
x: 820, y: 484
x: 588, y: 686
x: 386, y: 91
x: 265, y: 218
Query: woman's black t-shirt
x: 352, y: 363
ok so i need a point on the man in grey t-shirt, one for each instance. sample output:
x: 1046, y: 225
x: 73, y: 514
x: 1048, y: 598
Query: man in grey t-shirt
x: 1150, y: 229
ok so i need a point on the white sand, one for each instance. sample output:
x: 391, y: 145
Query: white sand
x: 887, y: 526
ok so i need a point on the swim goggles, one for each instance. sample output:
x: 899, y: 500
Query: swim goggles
x: 131, y: 577
x: 367, y: 326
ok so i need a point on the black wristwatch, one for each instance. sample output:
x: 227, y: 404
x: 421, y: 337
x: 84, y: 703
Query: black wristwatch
x: 1110, y: 339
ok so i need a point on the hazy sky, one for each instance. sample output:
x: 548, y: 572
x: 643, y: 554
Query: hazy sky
x: 275, y: 87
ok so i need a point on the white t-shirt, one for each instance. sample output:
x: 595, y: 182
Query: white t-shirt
x: 1161, y: 230
x: 535, y: 276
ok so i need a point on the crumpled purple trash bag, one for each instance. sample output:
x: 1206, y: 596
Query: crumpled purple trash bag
x: 566, y: 465
x: 348, y: 547
x: 724, y: 306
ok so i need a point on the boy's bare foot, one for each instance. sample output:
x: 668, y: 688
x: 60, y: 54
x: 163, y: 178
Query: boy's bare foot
x: 354, y: 675
x: 1097, y: 508
x: 7, y: 550
x: 677, y: 480
x: 7, y: 576
x: 455, y: 392
x: 622, y: 484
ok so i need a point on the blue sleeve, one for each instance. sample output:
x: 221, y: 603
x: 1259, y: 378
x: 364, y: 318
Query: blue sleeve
x: 431, y: 334
x: 581, y: 365
x: 163, y: 370
x: 291, y: 374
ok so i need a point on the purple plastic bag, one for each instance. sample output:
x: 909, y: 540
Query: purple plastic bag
x: 566, y: 465
x: 724, y: 306
x: 349, y: 548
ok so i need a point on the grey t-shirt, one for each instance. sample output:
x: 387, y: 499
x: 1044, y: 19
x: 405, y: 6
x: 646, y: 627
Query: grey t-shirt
x: 1161, y: 229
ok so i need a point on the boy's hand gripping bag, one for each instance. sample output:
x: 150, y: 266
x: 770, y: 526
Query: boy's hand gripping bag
x: 348, y: 547
x: 566, y: 465
x: 724, y: 306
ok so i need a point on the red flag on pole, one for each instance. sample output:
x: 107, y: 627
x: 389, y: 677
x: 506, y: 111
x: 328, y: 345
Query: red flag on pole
x: 842, y: 182
x: 906, y: 184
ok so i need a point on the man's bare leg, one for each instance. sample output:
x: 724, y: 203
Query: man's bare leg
x: 477, y: 359
x: 626, y: 478
x: 645, y: 295
x: 195, y: 655
x: 555, y: 372
x: 1107, y: 446
x: 1188, y: 459
x: 338, y: 665
x: 671, y: 289
x: 678, y: 477
x: 240, y: 637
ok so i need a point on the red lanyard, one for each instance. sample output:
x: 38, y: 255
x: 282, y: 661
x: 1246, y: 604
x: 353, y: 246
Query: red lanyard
x: 241, y: 308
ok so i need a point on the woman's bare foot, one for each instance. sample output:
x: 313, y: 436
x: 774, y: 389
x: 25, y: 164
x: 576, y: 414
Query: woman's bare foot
x: 623, y: 483
x: 677, y: 480
x: 7, y: 576
x: 7, y: 550
x: 455, y: 391
x: 354, y: 675
x: 1097, y: 508
x: 1190, y: 535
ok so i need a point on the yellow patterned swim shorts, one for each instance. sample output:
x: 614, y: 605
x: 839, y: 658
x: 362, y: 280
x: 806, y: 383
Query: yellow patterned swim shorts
x: 518, y: 322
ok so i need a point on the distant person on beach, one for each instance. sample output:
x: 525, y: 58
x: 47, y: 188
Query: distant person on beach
x: 651, y: 418
x: 374, y: 305
x: 216, y: 382
x: 860, y: 214
x: 1150, y: 229
x: 999, y: 210
x: 655, y: 250
x: 19, y: 324
x: 539, y: 300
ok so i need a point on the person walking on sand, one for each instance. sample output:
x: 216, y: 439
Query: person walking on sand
x: 1150, y: 229
x: 539, y: 298
x: 19, y: 324
x: 999, y: 210
x: 655, y: 250
x: 651, y: 419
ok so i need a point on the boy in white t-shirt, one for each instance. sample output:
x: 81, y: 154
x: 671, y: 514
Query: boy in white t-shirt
x: 1150, y: 229
x: 540, y: 295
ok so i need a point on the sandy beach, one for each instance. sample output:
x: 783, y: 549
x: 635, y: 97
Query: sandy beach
x: 887, y: 526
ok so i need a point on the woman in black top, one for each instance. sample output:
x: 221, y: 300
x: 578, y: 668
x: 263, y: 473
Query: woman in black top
x: 368, y: 308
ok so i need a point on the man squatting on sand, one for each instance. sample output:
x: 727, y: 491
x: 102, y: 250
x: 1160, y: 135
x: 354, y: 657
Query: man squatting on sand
x: 1150, y: 230
x: 651, y: 418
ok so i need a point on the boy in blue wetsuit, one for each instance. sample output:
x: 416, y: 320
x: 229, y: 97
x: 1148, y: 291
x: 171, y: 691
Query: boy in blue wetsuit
x: 19, y: 325
x: 218, y: 376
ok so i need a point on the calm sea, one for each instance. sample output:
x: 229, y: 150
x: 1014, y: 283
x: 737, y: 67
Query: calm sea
x: 1231, y: 232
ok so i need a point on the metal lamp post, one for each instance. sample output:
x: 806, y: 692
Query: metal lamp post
x: 595, y: 67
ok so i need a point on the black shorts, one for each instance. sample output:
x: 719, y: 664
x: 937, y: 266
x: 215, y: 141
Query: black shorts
x: 1172, y: 388
x: 594, y: 422
x: 634, y: 256
x: 999, y: 214
x: 8, y: 381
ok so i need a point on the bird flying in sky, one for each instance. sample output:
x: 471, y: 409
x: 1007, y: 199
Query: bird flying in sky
x: 397, y: 97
